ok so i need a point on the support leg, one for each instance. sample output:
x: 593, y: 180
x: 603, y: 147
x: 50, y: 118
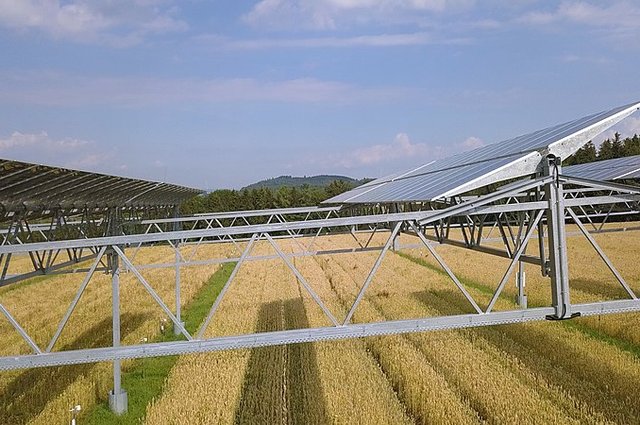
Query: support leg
x: 521, y: 282
x: 559, y: 269
x: 118, y: 396
x: 176, y: 329
x: 396, y: 242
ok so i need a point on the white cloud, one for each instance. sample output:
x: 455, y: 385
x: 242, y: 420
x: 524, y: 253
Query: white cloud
x: 401, y: 153
x: 18, y: 140
x: 401, y: 148
x: 377, y: 40
x: 41, y: 148
x: 595, y: 60
x: 620, y: 18
x: 58, y: 89
x: 471, y: 142
x: 117, y: 23
x: 333, y: 14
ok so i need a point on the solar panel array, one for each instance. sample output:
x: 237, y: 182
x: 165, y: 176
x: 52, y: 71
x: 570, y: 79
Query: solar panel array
x: 501, y: 161
x: 35, y: 187
x: 626, y: 168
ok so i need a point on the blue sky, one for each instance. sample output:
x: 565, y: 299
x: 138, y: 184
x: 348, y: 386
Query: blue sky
x: 219, y: 94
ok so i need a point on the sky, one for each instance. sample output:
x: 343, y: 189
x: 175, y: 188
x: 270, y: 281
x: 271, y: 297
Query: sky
x: 220, y: 94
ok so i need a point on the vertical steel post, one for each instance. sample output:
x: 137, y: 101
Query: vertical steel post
x: 176, y: 329
x: 118, y: 396
x: 176, y: 227
x: 521, y: 282
x: 396, y: 239
x: 558, y: 265
x: 541, y: 247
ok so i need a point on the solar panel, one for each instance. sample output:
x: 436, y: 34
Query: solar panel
x: 609, y: 169
x: 35, y: 187
x: 493, y: 163
x: 429, y: 186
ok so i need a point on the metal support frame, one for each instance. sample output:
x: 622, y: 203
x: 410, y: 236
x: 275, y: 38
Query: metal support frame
x: 117, y: 396
x: 177, y: 288
x: 521, y: 298
x: 20, y: 330
x: 224, y: 289
x: 372, y: 273
x: 602, y: 255
x: 522, y: 208
x: 265, y: 339
x: 178, y: 256
x: 64, y: 223
x: 558, y: 262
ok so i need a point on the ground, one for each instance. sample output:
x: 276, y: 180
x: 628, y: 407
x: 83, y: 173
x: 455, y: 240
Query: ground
x: 585, y: 370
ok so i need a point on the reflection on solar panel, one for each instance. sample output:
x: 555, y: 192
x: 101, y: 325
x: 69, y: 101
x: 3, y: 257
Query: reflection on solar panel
x: 626, y: 168
x: 34, y: 187
x: 496, y: 162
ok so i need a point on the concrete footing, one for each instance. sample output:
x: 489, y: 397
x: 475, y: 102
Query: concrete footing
x: 118, y: 403
x: 176, y: 330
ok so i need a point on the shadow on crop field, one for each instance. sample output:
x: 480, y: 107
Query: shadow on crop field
x: 282, y: 383
x: 547, y: 352
x: 27, y: 394
x: 608, y: 288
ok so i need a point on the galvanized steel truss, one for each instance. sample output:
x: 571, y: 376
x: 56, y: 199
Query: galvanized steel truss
x: 541, y: 203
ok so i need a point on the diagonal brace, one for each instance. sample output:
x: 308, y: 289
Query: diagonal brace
x: 74, y: 303
x: 514, y: 260
x: 151, y: 292
x: 20, y: 330
x: 446, y: 268
x: 602, y: 255
x: 302, y: 280
x: 215, y: 305
x: 372, y: 273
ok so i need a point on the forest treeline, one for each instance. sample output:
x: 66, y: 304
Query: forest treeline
x: 264, y: 198
x: 610, y: 148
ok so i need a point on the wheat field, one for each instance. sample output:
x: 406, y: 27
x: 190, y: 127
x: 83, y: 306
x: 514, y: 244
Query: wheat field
x: 43, y: 396
x: 586, y: 370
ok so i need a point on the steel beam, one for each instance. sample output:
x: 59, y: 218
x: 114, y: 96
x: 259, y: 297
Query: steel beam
x: 307, y: 335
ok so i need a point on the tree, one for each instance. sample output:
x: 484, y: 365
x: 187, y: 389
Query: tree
x: 587, y: 153
x: 606, y: 150
x: 617, y: 146
x: 264, y: 198
x: 336, y: 187
x: 631, y: 146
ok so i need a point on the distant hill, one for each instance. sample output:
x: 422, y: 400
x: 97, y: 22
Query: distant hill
x: 319, y: 181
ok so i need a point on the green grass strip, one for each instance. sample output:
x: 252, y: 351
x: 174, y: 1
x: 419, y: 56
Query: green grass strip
x: 145, y: 380
x: 575, y: 324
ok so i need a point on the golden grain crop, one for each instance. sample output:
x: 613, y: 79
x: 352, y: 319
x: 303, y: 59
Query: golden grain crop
x: 533, y: 373
x: 596, y: 376
x: 307, y: 383
x: 46, y: 394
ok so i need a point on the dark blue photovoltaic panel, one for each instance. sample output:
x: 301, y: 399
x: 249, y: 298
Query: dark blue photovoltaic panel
x: 429, y: 186
x: 609, y: 169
